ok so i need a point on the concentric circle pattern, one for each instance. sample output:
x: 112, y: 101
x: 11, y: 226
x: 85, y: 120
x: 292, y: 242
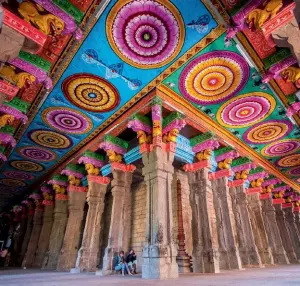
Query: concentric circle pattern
x: 289, y: 161
x: 6, y: 190
x: 12, y: 183
x: 145, y: 33
x: 18, y: 175
x: 50, y: 139
x: 37, y: 153
x: 268, y: 131
x: 67, y: 120
x: 281, y: 148
x: 91, y: 92
x: 246, y: 110
x: 27, y: 166
x: 213, y: 77
x: 294, y: 171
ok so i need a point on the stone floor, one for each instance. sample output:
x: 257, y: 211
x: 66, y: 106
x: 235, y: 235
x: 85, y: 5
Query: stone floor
x: 279, y: 275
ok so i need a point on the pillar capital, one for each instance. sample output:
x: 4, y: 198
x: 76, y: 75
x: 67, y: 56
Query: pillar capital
x: 98, y: 179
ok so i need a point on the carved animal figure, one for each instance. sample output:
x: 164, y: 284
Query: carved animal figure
x: 113, y: 156
x: 268, y: 189
x: 156, y: 128
x: 143, y: 137
x: 225, y: 165
x: 47, y: 196
x: 204, y: 155
x: 73, y: 180
x: 291, y: 74
x: 171, y: 136
x: 37, y: 203
x: 278, y: 195
x: 59, y: 189
x: 257, y: 183
x: 19, y: 79
x: 91, y: 169
x: 297, y: 204
x: 6, y: 119
x: 47, y: 23
x: 288, y: 199
x: 242, y: 175
x: 257, y: 17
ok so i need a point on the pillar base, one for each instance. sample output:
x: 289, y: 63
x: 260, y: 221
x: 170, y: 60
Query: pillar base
x: 75, y: 270
x: 88, y: 261
x: 66, y: 261
x: 206, y: 262
x: 250, y: 257
x: 50, y: 261
x: 108, y: 258
x: 184, y: 264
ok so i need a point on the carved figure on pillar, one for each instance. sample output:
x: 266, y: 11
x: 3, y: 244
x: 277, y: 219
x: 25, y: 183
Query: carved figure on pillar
x: 75, y: 173
x: 241, y: 167
x: 292, y: 74
x: 92, y: 162
x: 157, y: 121
x: 172, y: 125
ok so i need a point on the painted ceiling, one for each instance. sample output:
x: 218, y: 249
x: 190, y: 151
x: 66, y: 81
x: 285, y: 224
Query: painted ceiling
x: 132, y: 43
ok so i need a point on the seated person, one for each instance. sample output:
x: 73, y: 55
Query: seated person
x: 120, y: 263
x: 131, y: 261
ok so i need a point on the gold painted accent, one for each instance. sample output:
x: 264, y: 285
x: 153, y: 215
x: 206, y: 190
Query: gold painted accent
x: 91, y: 169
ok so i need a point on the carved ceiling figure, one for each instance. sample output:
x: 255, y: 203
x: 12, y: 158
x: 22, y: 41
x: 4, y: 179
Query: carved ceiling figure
x: 143, y: 137
x: 59, y: 189
x: 171, y: 136
x: 91, y: 169
x: 6, y: 119
x: 113, y: 156
x: 19, y: 79
x: 291, y: 74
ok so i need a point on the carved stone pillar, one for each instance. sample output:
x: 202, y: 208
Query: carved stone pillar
x: 275, y: 241
x: 297, y: 219
x: 226, y: 228
x: 204, y: 228
x: 159, y: 252
x: 246, y: 242
x: 57, y: 232
x: 34, y: 237
x: 292, y: 229
x: 285, y: 236
x: 90, y: 242
x: 19, y: 236
x: 69, y: 251
x: 119, y: 231
x: 259, y: 231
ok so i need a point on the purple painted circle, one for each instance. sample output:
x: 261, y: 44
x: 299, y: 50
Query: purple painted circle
x: 282, y: 148
x: 294, y: 171
x: 18, y: 175
x: 37, y: 153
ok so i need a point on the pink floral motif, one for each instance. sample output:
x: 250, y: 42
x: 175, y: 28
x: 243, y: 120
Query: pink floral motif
x: 137, y: 125
x: 18, y: 115
x: 88, y: 160
x: 293, y: 109
x: 257, y: 176
x: 7, y: 139
x: 110, y: 146
x: 72, y: 173
x: 178, y: 124
x: 208, y: 144
x: 232, y: 155
x: 247, y: 166
x: 273, y: 181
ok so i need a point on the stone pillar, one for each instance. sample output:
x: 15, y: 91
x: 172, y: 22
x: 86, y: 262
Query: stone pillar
x: 285, y: 236
x: 34, y: 237
x: 292, y: 229
x: 159, y: 252
x: 45, y: 234
x: 119, y: 231
x: 259, y: 231
x: 297, y: 218
x: 226, y: 228
x: 204, y: 228
x: 69, y: 251
x: 246, y: 242
x: 57, y: 232
x: 273, y: 234
x: 91, y: 236
x: 19, y: 237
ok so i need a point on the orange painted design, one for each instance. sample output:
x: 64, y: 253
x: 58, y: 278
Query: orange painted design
x: 171, y: 147
x: 287, y: 205
x: 220, y: 174
x: 78, y: 189
x: 120, y: 166
x: 8, y: 89
x: 265, y: 196
x: 61, y: 197
x: 47, y: 203
x: 277, y: 201
x: 144, y: 148
x: 287, y: 87
x: 236, y: 183
x: 296, y: 209
x: 28, y: 94
x: 98, y: 179
x: 253, y: 190
x: 196, y: 166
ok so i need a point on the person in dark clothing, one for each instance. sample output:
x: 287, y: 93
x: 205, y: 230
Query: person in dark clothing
x: 120, y: 263
x: 131, y: 261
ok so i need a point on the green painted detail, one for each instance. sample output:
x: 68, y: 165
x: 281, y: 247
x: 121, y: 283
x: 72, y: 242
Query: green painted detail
x: 93, y: 155
x: 280, y: 185
x: 61, y: 178
x: 2, y: 148
x: 240, y: 161
x: 117, y: 141
x: 237, y: 7
x: 271, y: 177
x: 70, y: 9
x: 291, y: 98
x: 171, y: 117
x: 256, y: 170
x: 223, y: 150
x: 35, y: 60
x: 19, y: 104
x: 142, y: 118
x: 280, y: 55
x: 156, y: 100
x: 8, y: 129
x: 76, y: 168
x: 201, y: 138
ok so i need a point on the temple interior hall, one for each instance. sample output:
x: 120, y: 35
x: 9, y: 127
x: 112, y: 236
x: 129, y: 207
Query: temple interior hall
x: 152, y: 142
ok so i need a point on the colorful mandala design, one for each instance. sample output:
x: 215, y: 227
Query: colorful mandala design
x: 294, y: 171
x: 37, y: 153
x: 50, y: 139
x: 268, y: 131
x: 67, y: 120
x: 91, y: 92
x: 27, y: 166
x: 12, y: 183
x: 246, y: 110
x: 18, y: 175
x: 281, y: 148
x: 145, y: 33
x: 289, y: 161
x: 213, y: 77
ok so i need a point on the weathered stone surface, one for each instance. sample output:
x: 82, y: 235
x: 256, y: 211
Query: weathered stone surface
x: 159, y: 251
x: 34, y: 238
x: 285, y: 236
x: 226, y: 228
x: 70, y: 246
x: 57, y: 234
x: 18, y: 238
x: 297, y: 221
x: 245, y: 238
x: 273, y: 234
x: 258, y: 227
x: 204, y: 228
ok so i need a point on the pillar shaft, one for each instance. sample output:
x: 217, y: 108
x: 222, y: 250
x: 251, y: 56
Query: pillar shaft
x: 90, y: 242
x: 34, y: 238
x: 19, y: 237
x: 204, y: 228
x: 297, y: 221
x: 57, y: 233
x: 229, y: 253
x: 159, y: 252
x: 69, y: 251
x: 285, y: 236
x: 246, y: 242
x: 273, y: 234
